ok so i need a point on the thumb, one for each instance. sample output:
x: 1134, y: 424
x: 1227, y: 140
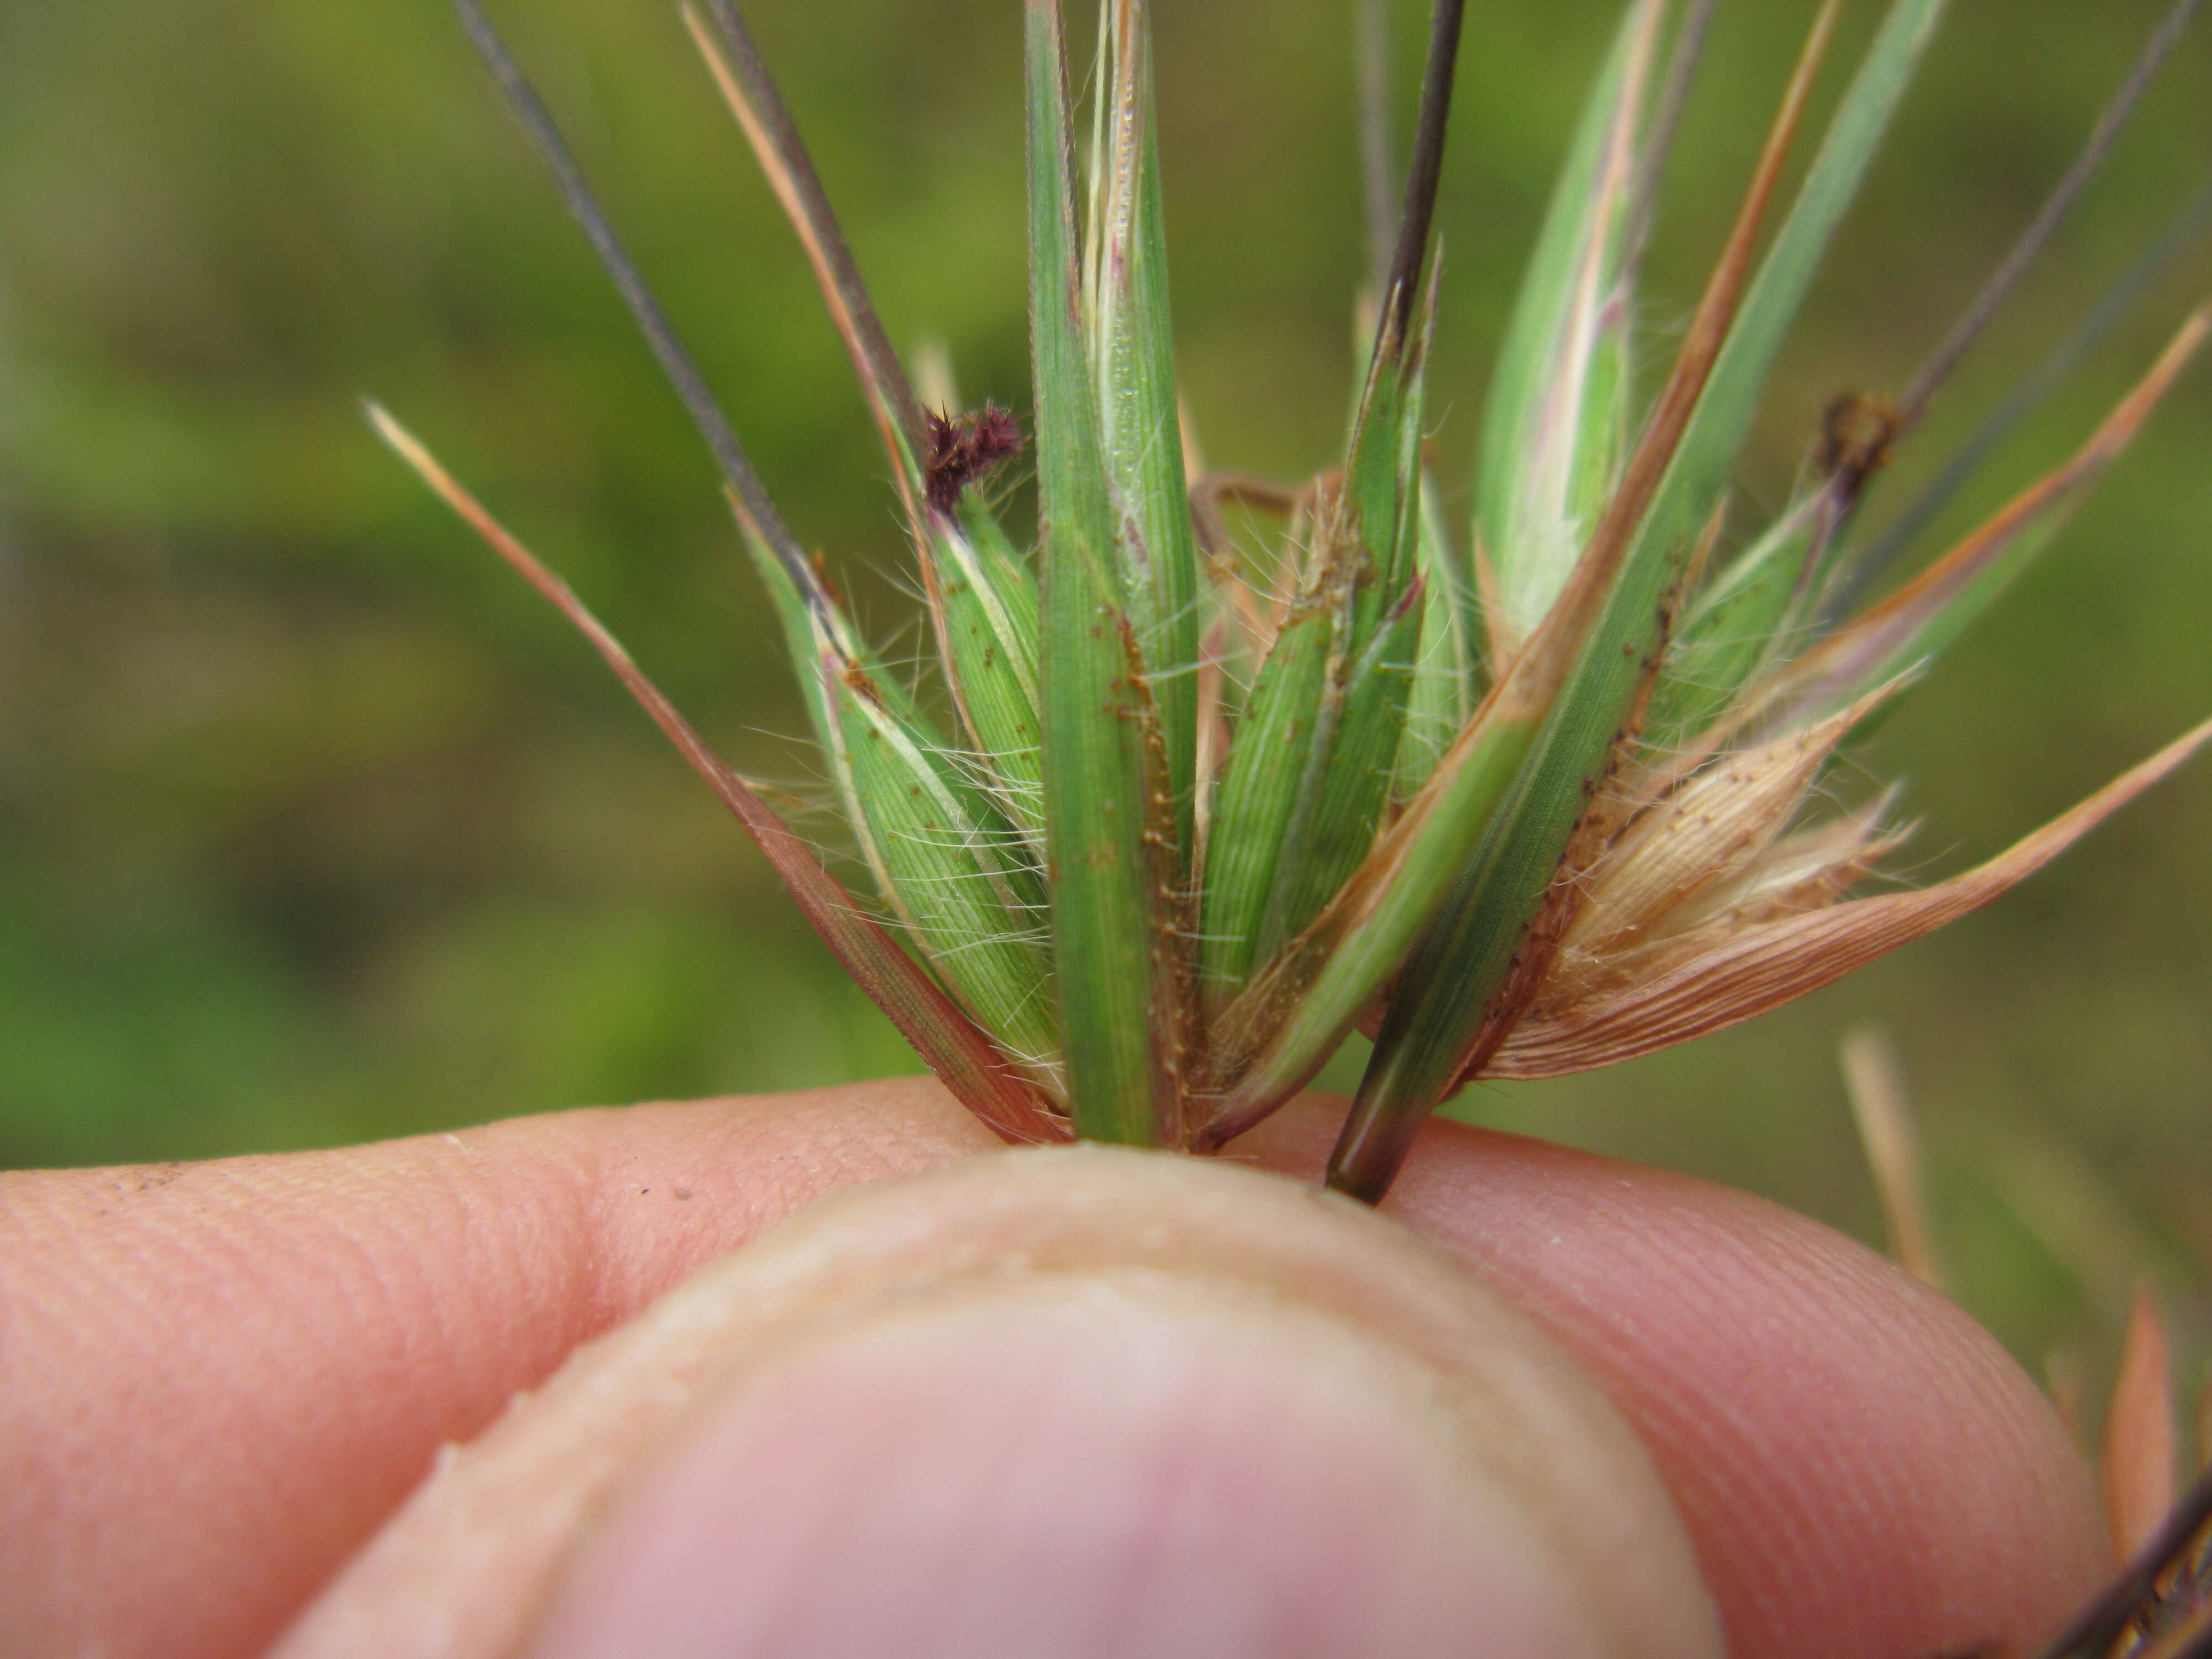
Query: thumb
x: 1078, y: 1402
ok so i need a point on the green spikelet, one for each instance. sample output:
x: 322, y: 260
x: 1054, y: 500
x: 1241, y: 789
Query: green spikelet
x: 1518, y: 797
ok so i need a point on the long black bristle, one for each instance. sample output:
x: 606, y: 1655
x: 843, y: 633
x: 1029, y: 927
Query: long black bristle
x: 1427, y: 171
x: 844, y: 273
x: 2032, y: 240
x: 2140, y: 1589
x: 675, y: 362
x: 1846, y: 486
x: 2113, y: 307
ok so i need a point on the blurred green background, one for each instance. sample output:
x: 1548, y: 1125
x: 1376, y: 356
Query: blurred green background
x: 315, y: 825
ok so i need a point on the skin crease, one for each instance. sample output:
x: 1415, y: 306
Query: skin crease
x: 222, y: 1378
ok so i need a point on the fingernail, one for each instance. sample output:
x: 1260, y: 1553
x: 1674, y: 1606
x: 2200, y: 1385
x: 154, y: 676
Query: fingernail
x: 1090, y: 1466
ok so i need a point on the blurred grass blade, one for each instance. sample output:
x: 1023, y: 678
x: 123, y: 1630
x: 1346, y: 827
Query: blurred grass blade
x: 2137, y: 1465
x: 949, y: 1042
x: 1555, y: 424
x: 1881, y: 1106
x: 2200, y: 1444
x: 682, y: 374
x: 1912, y: 407
x: 1658, y: 145
x: 1926, y: 615
x: 1443, y: 1007
x: 1132, y: 366
x: 1746, y: 971
x: 1113, y: 923
x: 1372, y: 67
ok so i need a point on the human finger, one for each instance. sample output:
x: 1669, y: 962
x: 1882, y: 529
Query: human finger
x: 1866, y: 1473
x: 220, y: 1377
x: 1078, y: 1403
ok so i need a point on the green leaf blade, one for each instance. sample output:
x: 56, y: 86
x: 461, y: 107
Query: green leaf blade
x: 985, y: 606
x: 1365, y: 718
x: 1140, y: 425
x: 1267, y: 765
x: 1271, y: 1040
x: 1735, y: 628
x: 1448, y: 676
x: 1464, y: 959
x: 1122, y: 1068
x: 1554, y: 428
x: 975, y: 905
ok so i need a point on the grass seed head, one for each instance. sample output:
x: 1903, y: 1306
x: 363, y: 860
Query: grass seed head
x: 1519, y: 798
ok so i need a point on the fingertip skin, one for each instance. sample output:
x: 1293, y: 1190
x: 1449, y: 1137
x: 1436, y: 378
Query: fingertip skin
x: 219, y: 1378
x: 1008, y: 1345
x: 1866, y: 1473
